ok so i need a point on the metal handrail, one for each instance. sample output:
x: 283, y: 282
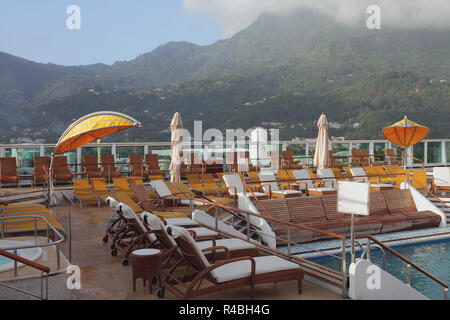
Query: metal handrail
x: 408, y: 262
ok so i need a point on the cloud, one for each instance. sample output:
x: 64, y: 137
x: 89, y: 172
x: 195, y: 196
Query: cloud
x: 235, y: 15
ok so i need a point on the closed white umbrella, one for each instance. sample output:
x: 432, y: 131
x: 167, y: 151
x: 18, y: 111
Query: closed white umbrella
x: 176, y: 128
x: 321, y: 153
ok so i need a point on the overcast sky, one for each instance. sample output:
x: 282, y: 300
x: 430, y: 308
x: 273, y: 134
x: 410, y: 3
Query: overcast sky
x: 115, y: 30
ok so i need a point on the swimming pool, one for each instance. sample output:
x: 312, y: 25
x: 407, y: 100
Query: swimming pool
x: 432, y: 256
x: 28, y: 253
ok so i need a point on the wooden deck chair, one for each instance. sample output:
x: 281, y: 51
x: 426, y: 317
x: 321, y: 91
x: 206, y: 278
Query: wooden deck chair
x: 125, y: 198
x: 137, y: 166
x: 305, y: 183
x: 288, y: 161
x: 138, y: 181
x: 391, y: 157
x: 8, y: 171
x: 441, y: 179
x: 272, y: 189
x: 121, y: 184
x: 163, y: 192
x: 284, y: 176
x: 90, y: 166
x: 61, y: 171
x: 356, y: 157
x: 83, y: 192
x: 337, y: 173
x: 228, y: 274
x: 182, y: 191
x: 236, y: 247
x: 365, y: 157
x: 108, y: 167
x: 209, y: 182
x: 195, y: 183
x: 235, y: 187
x: 41, y: 170
x: 327, y: 177
x: 221, y: 174
x: 152, y: 163
x: 100, y: 189
x: 380, y: 171
x: 333, y: 161
x: 195, y: 164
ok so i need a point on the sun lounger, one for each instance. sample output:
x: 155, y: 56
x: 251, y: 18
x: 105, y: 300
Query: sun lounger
x: 359, y: 174
x: 228, y: 274
x: 83, y: 192
x: 441, y: 179
x: 163, y: 192
x: 210, y: 183
x: 305, y: 183
x: 235, y: 186
x: 288, y: 161
x: 138, y: 181
x: 121, y: 184
x: 271, y: 188
x: 99, y: 188
x: 195, y: 183
x: 187, y: 194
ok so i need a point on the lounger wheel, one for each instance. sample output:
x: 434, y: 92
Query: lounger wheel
x: 160, y: 292
x: 154, y: 280
x: 125, y: 262
x: 114, y: 252
x: 113, y: 246
x: 105, y: 239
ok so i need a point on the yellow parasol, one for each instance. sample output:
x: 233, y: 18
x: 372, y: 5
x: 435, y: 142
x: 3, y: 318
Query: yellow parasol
x: 405, y: 133
x: 89, y: 128
x: 92, y: 127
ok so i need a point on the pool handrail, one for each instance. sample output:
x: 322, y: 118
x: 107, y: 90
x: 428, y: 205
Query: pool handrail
x: 408, y: 262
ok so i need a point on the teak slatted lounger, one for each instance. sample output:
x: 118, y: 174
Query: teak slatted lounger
x: 360, y: 174
x: 8, y: 171
x: 83, y: 192
x: 90, y: 166
x: 137, y: 166
x: 271, y: 187
x: 100, y: 189
x: 138, y: 181
x: 41, y: 170
x: 61, y: 172
x: 256, y: 183
x: 230, y: 273
x: 109, y: 167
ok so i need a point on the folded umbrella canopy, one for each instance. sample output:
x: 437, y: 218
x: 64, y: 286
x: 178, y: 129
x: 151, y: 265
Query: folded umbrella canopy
x: 405, y: 133
x: 176, y: 127
x: 89, y: 128
x: 321, y: 153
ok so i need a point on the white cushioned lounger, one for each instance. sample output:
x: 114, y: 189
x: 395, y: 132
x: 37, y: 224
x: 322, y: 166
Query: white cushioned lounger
x: 362, y: 176
x: 163, y: 191
x: 238, y: 269
x: 441, y: 176
x: 274, y: 188
x: 304, y: 177
x: 234, y: 180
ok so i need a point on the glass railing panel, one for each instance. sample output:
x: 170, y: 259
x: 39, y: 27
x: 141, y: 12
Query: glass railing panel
x: 341, y: 152
x: 163, y: 153
x: 123, y: 155
x: 379, y: 151
x: 434, y: 152
x: 419, y: 152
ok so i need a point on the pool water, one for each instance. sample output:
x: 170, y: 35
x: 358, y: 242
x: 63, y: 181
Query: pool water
x: 5, y: 260
x: 433, y: 256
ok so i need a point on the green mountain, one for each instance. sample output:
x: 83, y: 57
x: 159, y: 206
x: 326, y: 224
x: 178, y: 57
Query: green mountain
x: 280, y: 71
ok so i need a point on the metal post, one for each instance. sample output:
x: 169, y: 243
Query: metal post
x: 15, y: 263
x: 344, y: 268
x: 352, y: 235
x: 445, y: 293
x: 58, y: 259
x: 289, y: 241
x: 248, y: 227
x: 216, y: 217
x: 408, y: 274
x: 369, y: 256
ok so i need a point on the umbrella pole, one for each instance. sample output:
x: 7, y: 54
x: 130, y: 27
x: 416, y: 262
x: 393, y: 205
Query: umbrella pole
x: 50, y: 181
